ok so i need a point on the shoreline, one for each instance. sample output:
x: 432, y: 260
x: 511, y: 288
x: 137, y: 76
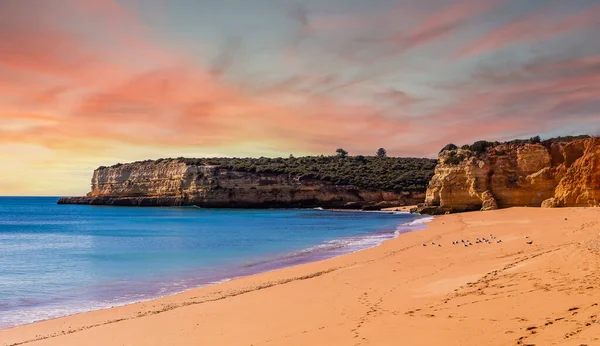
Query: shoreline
x: 399, y: 289
x: 316, y: 253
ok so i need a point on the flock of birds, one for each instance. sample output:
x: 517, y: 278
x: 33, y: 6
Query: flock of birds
x: 466, y: 243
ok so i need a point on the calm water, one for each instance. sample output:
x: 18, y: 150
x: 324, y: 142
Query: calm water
x: 57, y: 260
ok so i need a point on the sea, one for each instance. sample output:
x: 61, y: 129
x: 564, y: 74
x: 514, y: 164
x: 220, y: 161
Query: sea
x: 58, y: 260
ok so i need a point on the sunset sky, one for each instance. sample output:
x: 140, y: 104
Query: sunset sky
x: 85, y: 83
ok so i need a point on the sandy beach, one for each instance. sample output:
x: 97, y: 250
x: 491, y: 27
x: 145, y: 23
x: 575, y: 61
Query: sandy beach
x: 399, y: 293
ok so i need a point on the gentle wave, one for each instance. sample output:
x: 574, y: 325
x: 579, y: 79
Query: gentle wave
x: 422, y: 221
x: 347, y: 245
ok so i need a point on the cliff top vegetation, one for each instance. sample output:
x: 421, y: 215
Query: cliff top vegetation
x: 481, y: 146
x: 368, y: 172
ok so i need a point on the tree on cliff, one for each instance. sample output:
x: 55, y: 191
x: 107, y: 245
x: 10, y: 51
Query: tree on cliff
x: 381, y: 152
x: 535, y: 140
x: 341, y: 152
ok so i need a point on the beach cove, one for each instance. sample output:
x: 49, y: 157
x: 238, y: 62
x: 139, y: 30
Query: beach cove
x: 539, y: 286
x: 58, y: 260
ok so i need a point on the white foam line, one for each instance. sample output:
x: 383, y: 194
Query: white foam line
x: 421, y: 221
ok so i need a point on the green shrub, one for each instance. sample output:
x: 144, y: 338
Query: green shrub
x: 480, y: 146
x: 449, y: 147
x: 565, y: 139
x: 367, y: 172
x: 454, y: 159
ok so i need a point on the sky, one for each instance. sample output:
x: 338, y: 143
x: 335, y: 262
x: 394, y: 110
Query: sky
x: 85, y: 83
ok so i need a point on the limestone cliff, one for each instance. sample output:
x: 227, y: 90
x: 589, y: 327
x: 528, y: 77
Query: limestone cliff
x: 553, y: 173
x: 580, y: 186
x: 180, y: 182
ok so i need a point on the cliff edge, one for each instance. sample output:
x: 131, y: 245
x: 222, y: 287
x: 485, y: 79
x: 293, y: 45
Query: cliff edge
x: 562, y: 172
x: 332, y: 182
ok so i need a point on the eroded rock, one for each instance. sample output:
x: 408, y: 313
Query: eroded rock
x: 488, y: 201
x: 550, y: 203
x: 522, y: 174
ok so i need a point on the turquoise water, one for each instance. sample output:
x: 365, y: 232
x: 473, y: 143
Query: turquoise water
x: 57, y: 260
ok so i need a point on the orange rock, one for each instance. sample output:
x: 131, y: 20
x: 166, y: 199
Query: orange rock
x: 506, y: 175
x: 580, y: 186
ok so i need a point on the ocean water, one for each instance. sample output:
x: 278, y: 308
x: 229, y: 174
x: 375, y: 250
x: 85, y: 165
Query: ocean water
x: 57, y: 260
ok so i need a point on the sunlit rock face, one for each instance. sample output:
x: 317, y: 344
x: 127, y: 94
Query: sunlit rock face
x: 552, y: 174
x: 175, y: 182
x: 580, y: 186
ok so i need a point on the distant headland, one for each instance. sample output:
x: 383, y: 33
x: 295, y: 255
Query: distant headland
x: 341, y: 181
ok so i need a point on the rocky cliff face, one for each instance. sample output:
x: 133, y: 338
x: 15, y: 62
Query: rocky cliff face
x: 176, y: 182
x: 549, y: 174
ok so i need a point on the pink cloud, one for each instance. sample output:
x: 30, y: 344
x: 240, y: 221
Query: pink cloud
x: 380, y: 35
x: 534, y: 27
x: 446, y: 21
x: 80, y: 97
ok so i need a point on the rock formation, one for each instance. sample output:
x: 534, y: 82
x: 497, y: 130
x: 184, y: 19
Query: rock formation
x: 580, y: 186
x: 554, y: 173
x: 178, y: 182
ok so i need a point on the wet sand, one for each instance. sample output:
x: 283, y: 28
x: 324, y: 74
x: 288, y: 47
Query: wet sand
x: 399, y: 293
x: 405, y: 208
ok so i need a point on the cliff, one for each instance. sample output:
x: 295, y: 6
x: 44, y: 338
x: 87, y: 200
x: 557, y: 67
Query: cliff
x: 554, y: 173
x: 260, y: 183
